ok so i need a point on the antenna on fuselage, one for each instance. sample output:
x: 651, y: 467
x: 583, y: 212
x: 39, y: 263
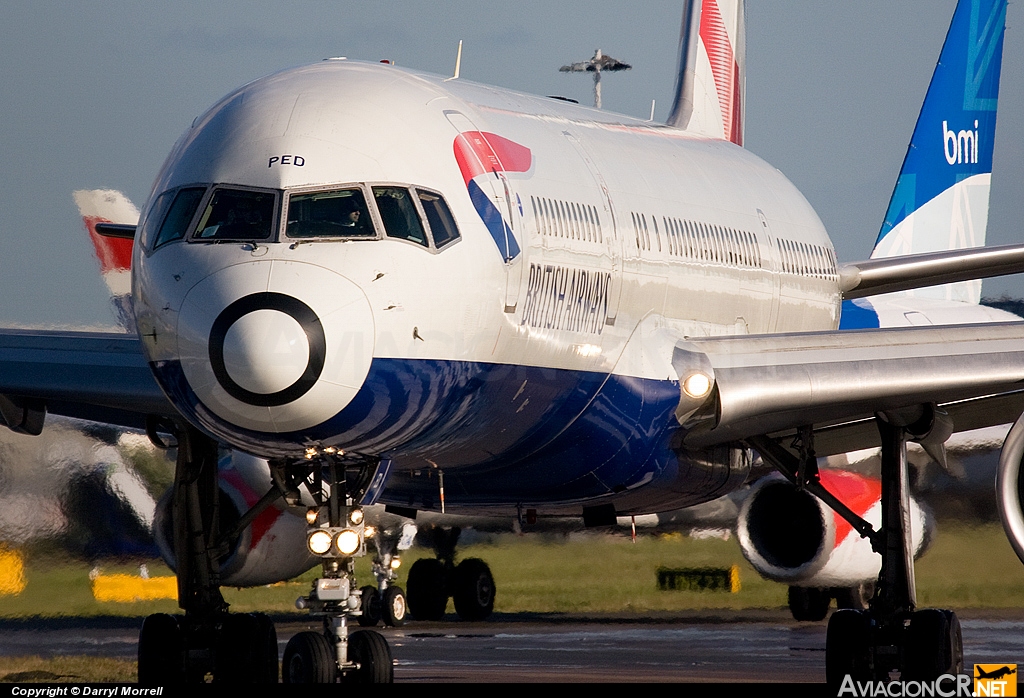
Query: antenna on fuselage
x: 596, y: 65
x: 458, y: 63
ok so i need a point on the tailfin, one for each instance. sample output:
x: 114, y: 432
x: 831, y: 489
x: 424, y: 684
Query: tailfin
x: 99, y: 206
x: 710, y: 86
x: 941, y: 197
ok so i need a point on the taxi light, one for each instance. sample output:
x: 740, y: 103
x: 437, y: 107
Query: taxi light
x: 347, y: 542
x: 395, y: 563
x: 319, y: 542
x: 697, y: 385
x: 356, y: 516
x: 369, y: 532
x: 311, y: 515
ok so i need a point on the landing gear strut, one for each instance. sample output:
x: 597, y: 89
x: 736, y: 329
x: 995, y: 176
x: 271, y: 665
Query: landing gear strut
x: 892, y: 636
x: 385, y: 602
x: 206, y: 639
x: 242, y: 648
x: 337, y: 534
x: 433, y: 581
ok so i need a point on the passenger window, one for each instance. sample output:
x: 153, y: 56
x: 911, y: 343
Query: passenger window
x: 235, y: 214
x: 440, y: 219
x: 399, y: 214
x: 175, y: 225
x: 341, y: 213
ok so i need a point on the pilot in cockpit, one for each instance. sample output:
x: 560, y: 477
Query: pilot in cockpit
x: 352, y: 219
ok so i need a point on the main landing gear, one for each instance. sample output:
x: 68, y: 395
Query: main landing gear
x: 892, y: 636
x: 432, y: 581
x: 207, y: 641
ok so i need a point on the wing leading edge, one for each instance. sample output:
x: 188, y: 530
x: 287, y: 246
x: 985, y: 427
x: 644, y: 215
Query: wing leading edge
x: 772, y: 383
x: 99, y: 376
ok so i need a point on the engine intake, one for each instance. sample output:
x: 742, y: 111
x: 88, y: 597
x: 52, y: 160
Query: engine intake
x: 270, y: 550
x: 791, y: 536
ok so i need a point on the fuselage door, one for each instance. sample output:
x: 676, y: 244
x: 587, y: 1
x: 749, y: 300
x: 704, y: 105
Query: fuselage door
x: 485, y: 159
x: 770, y: 252
x: 608, y: 226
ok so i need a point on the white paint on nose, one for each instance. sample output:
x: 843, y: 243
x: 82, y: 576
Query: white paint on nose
x: 269, y: 350
x: 265, y: 351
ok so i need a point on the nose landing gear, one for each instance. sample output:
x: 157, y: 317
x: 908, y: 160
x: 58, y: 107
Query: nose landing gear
x: 337, y: 534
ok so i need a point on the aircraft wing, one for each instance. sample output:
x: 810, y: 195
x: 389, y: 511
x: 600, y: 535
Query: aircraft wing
x: 889, y: 274
x: 768, y: 384
x: 99, y: 376
x: 966, y: 415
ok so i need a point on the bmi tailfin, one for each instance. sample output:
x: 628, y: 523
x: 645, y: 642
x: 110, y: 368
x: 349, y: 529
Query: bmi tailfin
x: 710, y: 85
x: 940, y: 201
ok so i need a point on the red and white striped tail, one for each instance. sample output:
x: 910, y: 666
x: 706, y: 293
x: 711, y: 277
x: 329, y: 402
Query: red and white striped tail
x: 710, y: 85
x: 114, y: 254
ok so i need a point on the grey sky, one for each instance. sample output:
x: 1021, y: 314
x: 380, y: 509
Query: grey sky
x: 95, y: 93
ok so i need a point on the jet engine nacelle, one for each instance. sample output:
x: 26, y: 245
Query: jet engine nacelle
x: 791, y: 536
x: 270, y: 550
x: 1008, y: 487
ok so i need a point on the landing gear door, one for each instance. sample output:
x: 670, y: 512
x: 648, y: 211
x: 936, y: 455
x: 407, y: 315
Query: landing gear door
x: 485, y: 159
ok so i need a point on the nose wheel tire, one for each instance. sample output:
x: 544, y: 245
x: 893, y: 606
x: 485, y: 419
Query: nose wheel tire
x: 370, y: 651
x: 370, y: 606
x: 427, y: 595
x: 309, y: 658
x: 474, y: 590
x: 394, y: 609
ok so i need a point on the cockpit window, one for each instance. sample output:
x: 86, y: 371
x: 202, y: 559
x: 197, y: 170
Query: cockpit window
x: 337, y: 213
x: 237, y: 214
x: 398, y: 212
x: 156, y: 214
x: 175, y: 225
x: 439, y: 217
x: 169, y: 216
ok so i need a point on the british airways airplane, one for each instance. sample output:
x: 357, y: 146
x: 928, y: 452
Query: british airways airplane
x: 405, y: 289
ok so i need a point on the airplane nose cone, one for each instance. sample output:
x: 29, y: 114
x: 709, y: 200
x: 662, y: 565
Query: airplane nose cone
x: 264, y: 353
x: 275, y: 346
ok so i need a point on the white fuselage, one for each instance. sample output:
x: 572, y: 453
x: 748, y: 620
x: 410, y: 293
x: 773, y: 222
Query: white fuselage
x: 626, y: 236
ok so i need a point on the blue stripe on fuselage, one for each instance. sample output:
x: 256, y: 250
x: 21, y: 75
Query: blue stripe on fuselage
x: 501, y: 433
x: 492, y: 218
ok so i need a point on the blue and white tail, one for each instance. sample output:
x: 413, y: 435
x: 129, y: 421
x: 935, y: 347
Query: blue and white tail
x: 941, y: 197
